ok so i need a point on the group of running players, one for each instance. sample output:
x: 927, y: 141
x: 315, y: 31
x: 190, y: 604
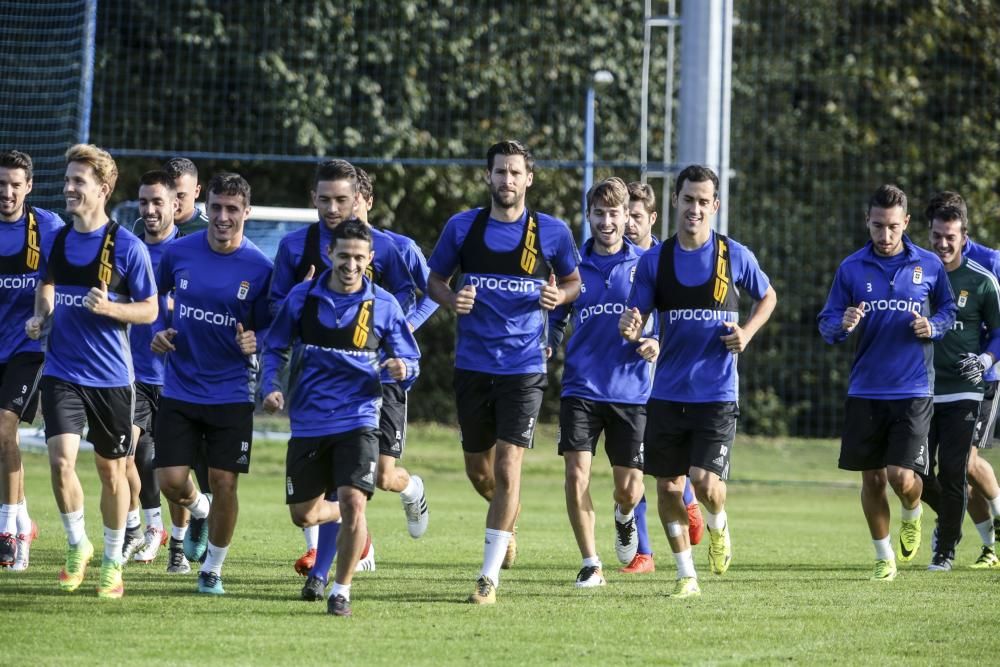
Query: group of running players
x: 151, y: 340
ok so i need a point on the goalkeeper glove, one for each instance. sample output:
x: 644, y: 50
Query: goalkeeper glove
x: 971, y: 366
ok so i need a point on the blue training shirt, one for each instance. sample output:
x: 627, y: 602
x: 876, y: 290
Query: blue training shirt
x: 149, y: 366
x: 17, y: 287
x: 694, y: 365
x: 600, y: 364
x: 212, y: 293
x: 335, y: 390
x: 505, y: 334
x: 890, y: 362
x: 415, y: 261
x: 84, y: 348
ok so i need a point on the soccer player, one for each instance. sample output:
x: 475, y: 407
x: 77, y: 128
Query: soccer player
x: 639, y: 230
x: 337, y: 324
x: 692, y: 281
x: 219, y: 280
x: 984, y: 497
x: 300, y: 256
x: 157, y: 205
x: 885, y: 292
x: 190, y: 219
x: 96, y: 281
x: 510, y: 258
x: 22, y: 231
x: 958, y: 373
x: 606, y: 380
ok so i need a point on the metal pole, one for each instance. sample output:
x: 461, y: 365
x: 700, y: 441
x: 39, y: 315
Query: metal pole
x: 588, y: 157
x: 87, y: 71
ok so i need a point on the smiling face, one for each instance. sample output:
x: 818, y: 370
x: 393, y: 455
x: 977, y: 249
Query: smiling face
x: 226, y: 216
x: 157, y: 207
x: 607, y: 226
x: 947, y: 240
x: 349, y: 258
x: 886, y: 227
x: 336, y: 201
x: 695, y: 205
x: 14, y: 187
x: 85, y: 195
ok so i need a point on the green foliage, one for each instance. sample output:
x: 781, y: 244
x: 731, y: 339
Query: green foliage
x: 830, y: 99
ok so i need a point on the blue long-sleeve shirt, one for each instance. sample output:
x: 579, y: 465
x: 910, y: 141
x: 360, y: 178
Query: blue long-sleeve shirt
x: 419, y: 271
x: 990, y: 259
x: 891, y: 362
x: 335, y: 390
x: 600, y: 364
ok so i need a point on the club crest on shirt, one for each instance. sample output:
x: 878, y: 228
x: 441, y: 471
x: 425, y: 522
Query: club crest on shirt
x: 963, y: 298
x: 244, y: 290
x: 918, y: 275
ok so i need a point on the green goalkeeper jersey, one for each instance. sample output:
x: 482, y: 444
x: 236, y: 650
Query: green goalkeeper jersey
x: 977, y: 296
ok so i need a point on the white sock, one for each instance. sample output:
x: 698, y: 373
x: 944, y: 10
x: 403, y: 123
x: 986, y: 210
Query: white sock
x: 132, y: 520
x: 153, y: 518
x: 715, y: 521
x: 178, y: 532
x: 911, y: 514
x: 311, y: 533
x: 622, y: 518
x: 411, y: 493
x: 883, y: 549
x: 8, y: 519
x: 985, y: 530
x: 74, y: 527
x: 23, y: 520
x: 994, y: 504
x: 340, y: 589
x: 685, y: 564
x: 494, y: 550
x: 214, y: 558
x: 592, y: 561
x: 199, y: 508
x: 114, y: 540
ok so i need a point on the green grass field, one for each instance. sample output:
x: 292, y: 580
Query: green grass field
x: 797, y: 590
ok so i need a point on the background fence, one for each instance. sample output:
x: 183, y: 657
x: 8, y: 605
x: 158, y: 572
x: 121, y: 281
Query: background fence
x: 830, y: 99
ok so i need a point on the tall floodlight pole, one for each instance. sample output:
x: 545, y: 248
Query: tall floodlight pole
x: 600, y: 78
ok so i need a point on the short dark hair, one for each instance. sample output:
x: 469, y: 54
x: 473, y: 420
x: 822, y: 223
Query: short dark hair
x: 365, y: 184
x: 158, y: 177
x: 946, y: 199
x: 351, y: 229
x: 178, y: 166
x: 610, y: 192
x: 642, y: 192
x: 15, y: 159
x: 510, y: 147
x: 887, y: 196
x: 336, y: 170
x: 951, y: 214
x: 697, y: 173
x: 228, y: 183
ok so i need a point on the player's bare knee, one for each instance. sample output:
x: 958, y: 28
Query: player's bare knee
x: 222, y: 482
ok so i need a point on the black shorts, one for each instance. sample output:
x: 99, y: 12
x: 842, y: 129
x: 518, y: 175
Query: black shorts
x: 581, y: 422
x: 19, y: 385
x: 953, y: 425
x: 223, y: 433
x: 392, y: 421
x: 680, y: 436
x: 147, y: 400
x: 986, y: 424
x: 880, y: 433
x: 497, y: 407
x: 318, y: 466
x: 68, y: 407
